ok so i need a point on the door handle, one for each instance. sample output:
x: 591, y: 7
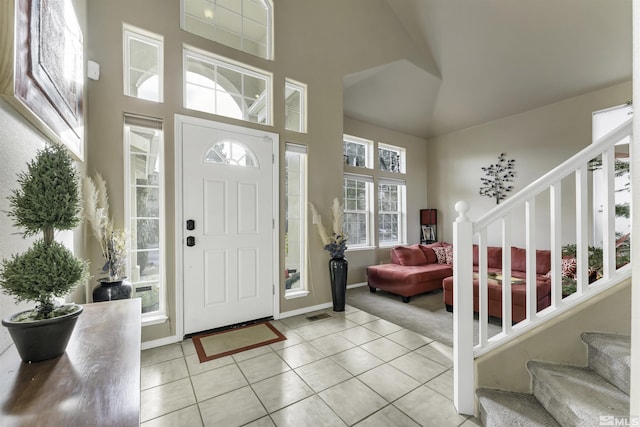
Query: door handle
x: 191, y: 224
x: 191, y: 241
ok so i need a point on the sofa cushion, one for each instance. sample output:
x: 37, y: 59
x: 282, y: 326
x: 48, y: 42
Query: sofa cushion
x: 408, y: 255
x: 494, y: 256
x: 429, y: 253
x: 519, y: 260
x: 408, y: 275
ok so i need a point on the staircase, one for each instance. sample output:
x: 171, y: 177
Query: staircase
x: 565, y: 395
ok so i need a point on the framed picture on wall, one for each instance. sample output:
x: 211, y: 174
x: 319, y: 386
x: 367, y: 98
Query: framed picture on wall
x: 42, y: 67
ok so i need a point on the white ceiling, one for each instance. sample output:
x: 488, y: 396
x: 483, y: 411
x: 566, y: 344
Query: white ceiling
x: 496, y: 58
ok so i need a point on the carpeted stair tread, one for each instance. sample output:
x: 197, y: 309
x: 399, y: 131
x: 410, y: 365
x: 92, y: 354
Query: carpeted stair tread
x: 610, y: 356
x: 499, y: 408
x: 576, y: 396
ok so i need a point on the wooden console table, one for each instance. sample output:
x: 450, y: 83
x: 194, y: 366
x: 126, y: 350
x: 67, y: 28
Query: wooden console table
x: 96, y: 382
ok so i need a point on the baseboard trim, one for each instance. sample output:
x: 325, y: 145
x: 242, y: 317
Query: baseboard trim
x: 146, y: 345
x: 304, y: 310
x: 357, y: 285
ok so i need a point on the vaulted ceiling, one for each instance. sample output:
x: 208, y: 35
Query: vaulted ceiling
x: 495, y: 58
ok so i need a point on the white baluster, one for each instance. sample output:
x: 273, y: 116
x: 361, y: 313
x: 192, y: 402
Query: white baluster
x: 463, y: 371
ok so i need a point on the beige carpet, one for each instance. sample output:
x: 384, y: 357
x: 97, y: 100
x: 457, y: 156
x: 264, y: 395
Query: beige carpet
x: 223, y: 343
x: 425, y: 314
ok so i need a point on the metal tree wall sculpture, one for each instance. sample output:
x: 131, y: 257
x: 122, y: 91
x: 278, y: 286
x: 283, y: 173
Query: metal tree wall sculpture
x: 495, y: 185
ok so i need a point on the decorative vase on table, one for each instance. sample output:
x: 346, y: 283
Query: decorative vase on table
x: 338, y: 268
x: 110, y: 290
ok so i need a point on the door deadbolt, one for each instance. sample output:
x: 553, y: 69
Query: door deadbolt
x: 191, y: 224
x: 191, y: 241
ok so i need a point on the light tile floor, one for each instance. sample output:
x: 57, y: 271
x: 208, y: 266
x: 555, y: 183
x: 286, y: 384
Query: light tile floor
x: 351, y: 369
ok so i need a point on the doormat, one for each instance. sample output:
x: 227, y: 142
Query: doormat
x: 219, y: 344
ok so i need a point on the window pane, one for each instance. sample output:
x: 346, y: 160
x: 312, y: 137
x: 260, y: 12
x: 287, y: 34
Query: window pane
x: 295, y: 106
x: 143, y: 64
x: 144, y: 210
x: 295, y: 230
x: 148, y: 201
x: 213, y: 86
x: 229, y: 81
x: 388, y: 228
x: 389, y: 213
x: 356, y: 153
x: 356, y: 211
x: 240, y: 24
x: 391, y: 159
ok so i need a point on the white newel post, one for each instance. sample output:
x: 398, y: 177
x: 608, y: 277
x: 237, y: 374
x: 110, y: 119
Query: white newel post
x: 463, y: 372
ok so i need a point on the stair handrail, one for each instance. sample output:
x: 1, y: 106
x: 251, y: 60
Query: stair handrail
x: 464, y: 230
x: 561, y: 171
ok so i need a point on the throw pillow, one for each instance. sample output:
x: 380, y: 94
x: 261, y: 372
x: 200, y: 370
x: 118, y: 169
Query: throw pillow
x: 448, y: 251
x: 441, y: 254
x: 409, y: 255
x: 444, y: 254
x: 568, y: 268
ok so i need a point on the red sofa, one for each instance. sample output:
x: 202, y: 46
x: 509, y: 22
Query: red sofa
x: 518, y: 291
x: 413, y: 270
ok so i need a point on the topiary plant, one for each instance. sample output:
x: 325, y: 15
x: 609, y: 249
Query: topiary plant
x: 48, y: 199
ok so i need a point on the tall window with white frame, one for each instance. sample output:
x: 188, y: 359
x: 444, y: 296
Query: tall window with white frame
x: 215, y: 85
x: 357, y: 209
x: 143, y: 63
x: 295, y: 100
x: 144, y: 209
x: 391, y: 208
x: 295, y: 220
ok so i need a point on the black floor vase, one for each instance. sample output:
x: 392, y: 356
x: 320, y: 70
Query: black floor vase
x: 338, y: 268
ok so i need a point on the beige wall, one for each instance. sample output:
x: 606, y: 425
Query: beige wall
x: 538, y: 140
x: 557, y: 341
x: 315, y: 43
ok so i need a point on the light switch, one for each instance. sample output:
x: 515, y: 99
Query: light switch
x: 93, y: 70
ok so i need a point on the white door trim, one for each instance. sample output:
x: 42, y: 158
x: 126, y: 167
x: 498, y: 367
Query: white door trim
x: 179, y: 200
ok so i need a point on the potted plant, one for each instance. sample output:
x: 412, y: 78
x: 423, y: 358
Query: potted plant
x: 335, y: 244
x: 47, y: 200
x: 112, y: 240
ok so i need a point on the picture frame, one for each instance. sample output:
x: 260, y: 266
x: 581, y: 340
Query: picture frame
x: 42, y: 68
x: 427, y: 233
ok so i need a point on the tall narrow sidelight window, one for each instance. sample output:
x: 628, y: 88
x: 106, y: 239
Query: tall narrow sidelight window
x: 143, y: 63
x: 391, y: 212
x: 144, y: 209
x: 295, y: 221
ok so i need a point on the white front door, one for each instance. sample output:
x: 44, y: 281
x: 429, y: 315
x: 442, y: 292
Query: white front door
x: 228, y: 223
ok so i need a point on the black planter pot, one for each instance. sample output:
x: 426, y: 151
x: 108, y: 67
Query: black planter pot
x: 42, y: 339
x: 109, y: 291
x: 338, y: 268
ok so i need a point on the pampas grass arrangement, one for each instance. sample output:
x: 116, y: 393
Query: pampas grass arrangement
x: 113, y: 241
x: 335, y: 243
